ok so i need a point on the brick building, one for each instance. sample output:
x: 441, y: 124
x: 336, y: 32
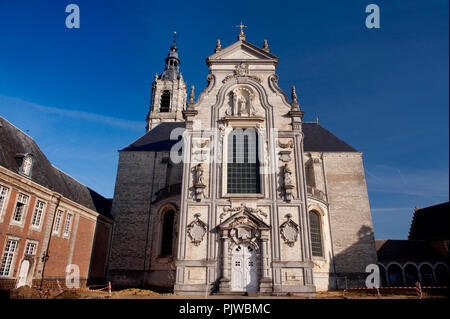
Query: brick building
x: 48, y: 220
x: 216, y: 219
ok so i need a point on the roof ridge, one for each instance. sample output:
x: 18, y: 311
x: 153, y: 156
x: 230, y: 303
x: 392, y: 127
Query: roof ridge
x: 4, y: 119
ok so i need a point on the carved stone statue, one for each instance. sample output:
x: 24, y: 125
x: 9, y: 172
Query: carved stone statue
x: 199, y: 184
x: 198, y: 174
x: 287, y: 174
x: 287, y: 182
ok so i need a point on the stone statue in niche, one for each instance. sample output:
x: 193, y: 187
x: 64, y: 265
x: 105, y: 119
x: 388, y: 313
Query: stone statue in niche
x: 196, y: 230
x: 198, y: 174
x: 242, y: 102
x: 287, y: 182
x: 199, y: 184
x: 289, y: 231
x: 287, y: 175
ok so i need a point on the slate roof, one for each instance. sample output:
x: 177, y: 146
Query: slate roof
x: 317, y: 139
x: 430, y: 223
x: 13, y: 142
x: 157, y: 139
x: 402, y: 251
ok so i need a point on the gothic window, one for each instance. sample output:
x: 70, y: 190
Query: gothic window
x: 242, y: 164
x: 167, y: 233
x: 165, y: 101
x: 316, y: 234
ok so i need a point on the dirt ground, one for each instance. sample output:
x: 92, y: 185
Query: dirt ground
x: 133, y: 293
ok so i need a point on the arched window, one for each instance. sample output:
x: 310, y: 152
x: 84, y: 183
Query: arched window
x: 441, y: 272
x: 383, y: 282
x: 167, y: 233
x: 316, y: 234
x: 426, y: 273
x: 411, y: 275
x: 242, y: 162
x: 395, y: 276
x: 165, y: 101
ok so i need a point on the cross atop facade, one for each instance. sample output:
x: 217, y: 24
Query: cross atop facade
x: 242, y: 28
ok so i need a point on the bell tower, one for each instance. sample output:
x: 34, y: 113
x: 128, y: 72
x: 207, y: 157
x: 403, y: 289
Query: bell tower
x: 168, y: 92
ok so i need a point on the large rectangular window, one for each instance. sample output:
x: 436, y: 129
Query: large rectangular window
x: 67, y: 225
x: 242, y: 162
x: 3, y: 195
x: 58, y: 220
x: 19, y: 212
x: 8, y: 257
x: 37, y: 215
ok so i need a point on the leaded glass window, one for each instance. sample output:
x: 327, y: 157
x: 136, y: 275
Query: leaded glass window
x: 316, y: 234
x: 3, y: 194
x: 37, y: 215
x: 8, y: 257
x: 242, y: 162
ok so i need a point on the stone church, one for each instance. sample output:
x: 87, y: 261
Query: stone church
x: 233, y: 193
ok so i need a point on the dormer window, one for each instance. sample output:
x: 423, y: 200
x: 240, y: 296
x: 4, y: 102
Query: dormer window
x: 165, y: 101
x: 27, y: 164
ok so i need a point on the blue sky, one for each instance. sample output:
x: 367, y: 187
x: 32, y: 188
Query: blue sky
x: 83, y: 94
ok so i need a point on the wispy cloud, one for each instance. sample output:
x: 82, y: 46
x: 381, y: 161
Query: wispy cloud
x: 432, y: 184
x: 12, y: 102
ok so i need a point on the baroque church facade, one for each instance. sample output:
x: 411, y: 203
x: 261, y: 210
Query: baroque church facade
x: 232, y: 192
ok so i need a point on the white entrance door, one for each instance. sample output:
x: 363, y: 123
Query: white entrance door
x: 23, y: 273
x: 244, y: 275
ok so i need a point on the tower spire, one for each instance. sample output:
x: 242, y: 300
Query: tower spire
x: 172, y: 69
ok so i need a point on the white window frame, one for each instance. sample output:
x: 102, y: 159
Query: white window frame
x: 28, y: 244
x: 25, y: 200
x: 67, y: 225
x: 38, y: 214
x: 10, y: 257
x: 58, y: 222
x: 26, y: 165
x: 4, y: 196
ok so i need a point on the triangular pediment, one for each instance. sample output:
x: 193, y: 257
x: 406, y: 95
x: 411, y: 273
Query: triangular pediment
x: 242, y: 51
x: 245, y: 217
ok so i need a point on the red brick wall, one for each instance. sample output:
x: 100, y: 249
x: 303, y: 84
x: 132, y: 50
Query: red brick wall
x: 59, y: 249
x: 83, y: 245
x: 23, y: 232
